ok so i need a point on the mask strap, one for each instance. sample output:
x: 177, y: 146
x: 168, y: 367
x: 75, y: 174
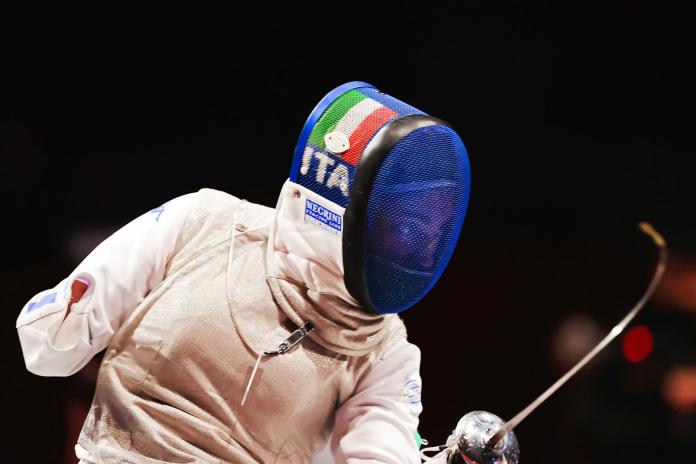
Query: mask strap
x: 296, y: 337
x: 293, y: 340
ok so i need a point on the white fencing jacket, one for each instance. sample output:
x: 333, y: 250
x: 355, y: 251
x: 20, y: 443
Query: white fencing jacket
x: 185, y: 297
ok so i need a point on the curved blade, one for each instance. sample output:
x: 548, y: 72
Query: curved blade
x: 659, y: 270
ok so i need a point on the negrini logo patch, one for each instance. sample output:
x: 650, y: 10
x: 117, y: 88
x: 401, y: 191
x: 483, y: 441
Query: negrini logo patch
x: 323, y: 217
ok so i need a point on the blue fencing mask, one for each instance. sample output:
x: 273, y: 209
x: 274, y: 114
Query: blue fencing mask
x: 403, y: 178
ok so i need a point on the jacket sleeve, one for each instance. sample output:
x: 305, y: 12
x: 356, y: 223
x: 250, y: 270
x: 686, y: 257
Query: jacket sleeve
x: 378, y: 424
x: 62, y: 328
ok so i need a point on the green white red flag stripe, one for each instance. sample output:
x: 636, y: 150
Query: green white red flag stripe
x: 364, y: 132
x: 356, y: 116
x: 352, y: 119
x: 332, y: 115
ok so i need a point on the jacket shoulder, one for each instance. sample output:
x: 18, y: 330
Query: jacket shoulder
x: 212, y: 219
x: 395, y: 332
x: 223, y: 206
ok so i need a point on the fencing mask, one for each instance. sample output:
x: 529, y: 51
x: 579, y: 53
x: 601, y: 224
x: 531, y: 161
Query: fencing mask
x: 403, y: 178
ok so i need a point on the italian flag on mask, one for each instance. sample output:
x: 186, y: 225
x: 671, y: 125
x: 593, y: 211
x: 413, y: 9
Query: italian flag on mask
x: 348, y: 124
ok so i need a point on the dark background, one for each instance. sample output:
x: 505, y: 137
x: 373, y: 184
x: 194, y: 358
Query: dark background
x: 576, y: 126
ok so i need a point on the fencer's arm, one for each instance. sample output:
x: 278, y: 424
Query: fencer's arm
x: 59, y: 336
x: 378, y: 423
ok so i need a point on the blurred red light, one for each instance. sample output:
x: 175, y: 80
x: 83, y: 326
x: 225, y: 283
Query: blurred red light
x: 637, y: 344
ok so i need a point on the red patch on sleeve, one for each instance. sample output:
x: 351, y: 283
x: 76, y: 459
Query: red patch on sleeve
x: 78, y: 290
